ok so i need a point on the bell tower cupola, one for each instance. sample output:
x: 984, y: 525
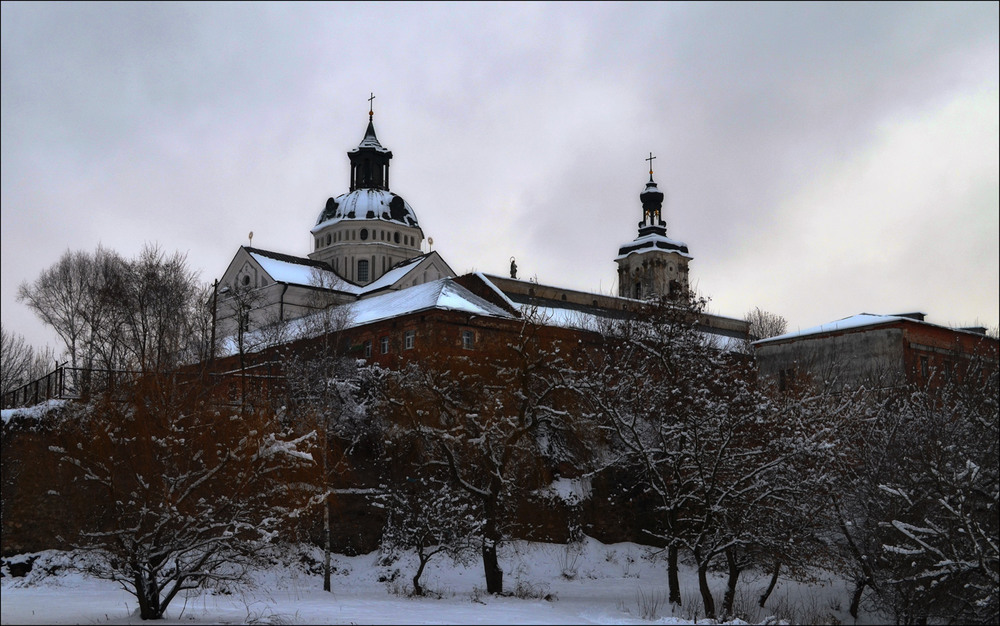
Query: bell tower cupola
x: 653, y: 265
x: 370, y: 161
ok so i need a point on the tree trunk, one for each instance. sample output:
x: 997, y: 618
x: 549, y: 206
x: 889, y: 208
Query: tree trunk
x: 706, y: 593
x: 733, y: 569
x: 326, y: 544
x: 494, y: 575
x: 148, y: 595
x: 673, y: 580
x: 417, y: 589
x: 774, y: 581
x: 859, y: 590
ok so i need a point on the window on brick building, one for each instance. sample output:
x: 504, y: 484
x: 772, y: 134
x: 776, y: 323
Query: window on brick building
x: 368, y: 347
x: 924, y: 369
x: 408, y: 339
x: 468, y: 339
x: 384, y: 343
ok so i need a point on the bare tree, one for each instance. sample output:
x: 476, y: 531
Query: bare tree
x: 59, y: 296
x: 329, y: 393
x: 113, y: 313
x: 762, y: 324
x: 16, y: 358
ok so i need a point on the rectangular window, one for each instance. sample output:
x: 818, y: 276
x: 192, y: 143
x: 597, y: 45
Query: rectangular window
x: 368, y: 348
x: 385, y: 345
x: 363, y: 271
x: 408, y: 338
x: 468, y: 339
x: 924, y: 370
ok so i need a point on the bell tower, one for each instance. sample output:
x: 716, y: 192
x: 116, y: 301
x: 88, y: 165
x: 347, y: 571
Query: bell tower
x: 652, y: 265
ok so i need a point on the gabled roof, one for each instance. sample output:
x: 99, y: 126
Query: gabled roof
x: 284, y: 268
x: 444, y: 294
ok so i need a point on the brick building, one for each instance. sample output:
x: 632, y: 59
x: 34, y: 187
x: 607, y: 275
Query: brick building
x: 884, y: 350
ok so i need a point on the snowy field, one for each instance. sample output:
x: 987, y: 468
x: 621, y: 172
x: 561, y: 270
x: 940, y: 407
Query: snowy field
x: 587, y: 583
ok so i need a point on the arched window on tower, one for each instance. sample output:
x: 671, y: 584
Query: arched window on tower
x: 363, y: 271
x: 638, y: 291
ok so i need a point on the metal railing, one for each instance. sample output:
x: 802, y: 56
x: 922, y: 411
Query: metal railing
x: 67, y: 383
x: 255, y: 384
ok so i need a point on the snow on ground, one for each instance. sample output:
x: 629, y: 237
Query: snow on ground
x: 585, y: 583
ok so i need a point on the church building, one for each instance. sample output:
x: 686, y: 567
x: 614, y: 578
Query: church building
x: 367, y: 244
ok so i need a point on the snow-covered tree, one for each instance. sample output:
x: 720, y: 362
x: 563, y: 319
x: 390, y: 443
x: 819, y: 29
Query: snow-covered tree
x: 328, y: 394
x: 494, y: 425
x: 183, y: 493
x: 430, y: 517
x: 719, y: 458
x: 930, y: 501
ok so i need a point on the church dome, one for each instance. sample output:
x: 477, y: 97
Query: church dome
x: 367, y: 204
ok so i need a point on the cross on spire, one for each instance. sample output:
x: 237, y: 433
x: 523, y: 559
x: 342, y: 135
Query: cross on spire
x: 371, y: 110
x: 650, y: 159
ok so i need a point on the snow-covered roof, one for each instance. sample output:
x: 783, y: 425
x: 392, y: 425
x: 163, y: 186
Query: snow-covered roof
x: 370, y: 140
x: 500, y: 294
x: 298, y: 271
x: 397, y: 272
x: 653, y: 241
x: 444, y: 294
x: 854, y: 321
x: 366, y: 204
x: 439, y: 294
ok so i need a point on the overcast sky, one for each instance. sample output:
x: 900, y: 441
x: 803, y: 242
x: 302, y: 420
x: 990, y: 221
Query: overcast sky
x: 819, y: 160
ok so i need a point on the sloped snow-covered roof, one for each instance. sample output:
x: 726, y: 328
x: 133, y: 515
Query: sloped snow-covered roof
x: 370, y: 140
x: 854, y: 321
x: 397, y: 272
x: 439, y: 294
x: 298, y: 271
x: 366, y: 204
x: 443, y: 294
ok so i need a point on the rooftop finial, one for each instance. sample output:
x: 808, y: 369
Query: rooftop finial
x: 650, y: 159
x: 371, y: 109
